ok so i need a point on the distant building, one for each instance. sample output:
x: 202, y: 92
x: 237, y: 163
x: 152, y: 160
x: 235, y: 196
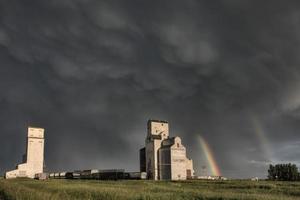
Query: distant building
x: 254, y: 179
x: 164, y: 157
x: 212, y: 178
x: 33, y: 160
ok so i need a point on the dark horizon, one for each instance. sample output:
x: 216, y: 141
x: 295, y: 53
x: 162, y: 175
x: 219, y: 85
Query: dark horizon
x: 93, y: 72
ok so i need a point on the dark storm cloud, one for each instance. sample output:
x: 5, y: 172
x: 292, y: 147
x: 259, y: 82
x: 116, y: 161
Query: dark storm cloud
x: 93, y: 72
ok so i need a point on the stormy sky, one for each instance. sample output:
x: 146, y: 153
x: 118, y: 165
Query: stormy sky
x: 92, y: 72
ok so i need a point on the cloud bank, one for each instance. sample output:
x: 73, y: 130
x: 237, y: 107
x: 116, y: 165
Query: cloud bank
x: 93, y: 72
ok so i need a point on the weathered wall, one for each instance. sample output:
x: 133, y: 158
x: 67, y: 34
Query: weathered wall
x: 156, y: 127
x: 178, y: 160
x: 157, y: 131
x: 143, y: 159
x: 189, y: 168
x: 164, y: 164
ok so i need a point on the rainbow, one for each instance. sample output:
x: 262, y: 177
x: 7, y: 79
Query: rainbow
x: 262, y: 138
x: 213, y: 166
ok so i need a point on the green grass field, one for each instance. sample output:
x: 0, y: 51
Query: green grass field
x: 109, y: 190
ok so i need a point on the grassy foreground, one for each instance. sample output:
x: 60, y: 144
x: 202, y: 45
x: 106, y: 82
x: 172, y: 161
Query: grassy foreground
x: 24, y: 189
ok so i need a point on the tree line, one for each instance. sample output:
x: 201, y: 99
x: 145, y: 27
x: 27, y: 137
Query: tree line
x: 283, y: 172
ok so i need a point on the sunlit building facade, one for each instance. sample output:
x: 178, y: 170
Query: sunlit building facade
x: 33, y: 160
x: 164, y: 157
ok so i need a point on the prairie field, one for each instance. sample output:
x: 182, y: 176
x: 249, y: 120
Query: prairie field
x: 25, y: 189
